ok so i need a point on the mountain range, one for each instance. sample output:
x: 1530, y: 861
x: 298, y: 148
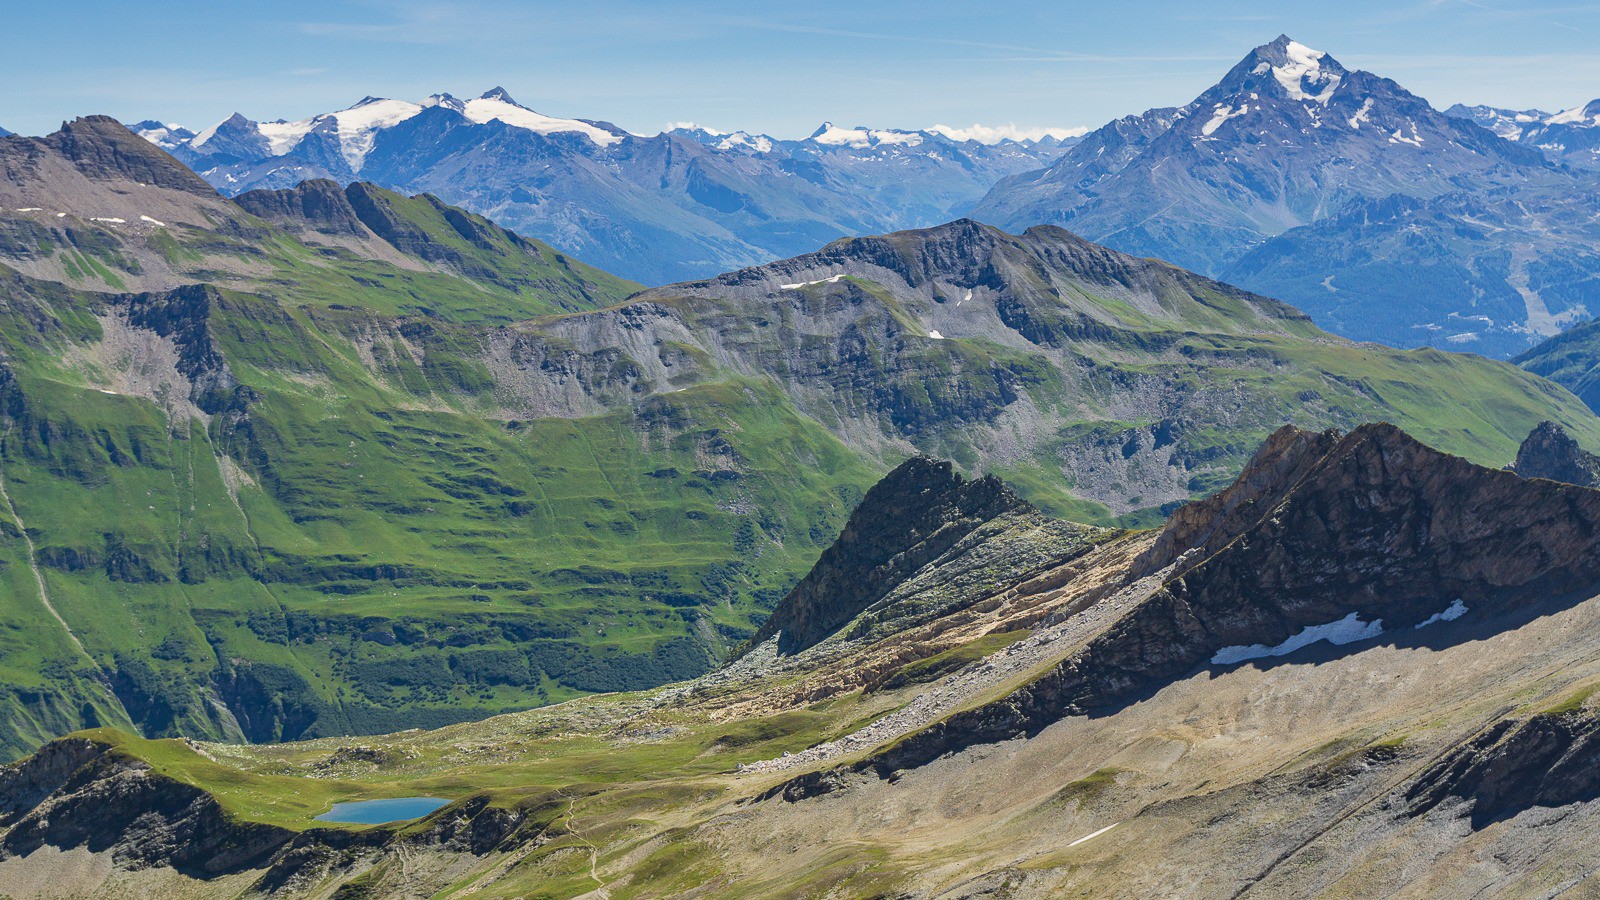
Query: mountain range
x: 1571, y: 136
x: 1341, y: 192
x: 328, y: 460
x: 1336, y: 190
x: 686, y: 203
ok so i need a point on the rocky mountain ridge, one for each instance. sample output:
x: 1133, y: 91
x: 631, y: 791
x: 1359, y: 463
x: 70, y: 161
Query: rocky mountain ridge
x: 1571, y: 136
x: 1271, y: 564
x: 684, y: 203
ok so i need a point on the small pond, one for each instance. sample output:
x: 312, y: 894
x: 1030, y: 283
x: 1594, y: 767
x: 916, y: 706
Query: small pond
x: 377, y: 812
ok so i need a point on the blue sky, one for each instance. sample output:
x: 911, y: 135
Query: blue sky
x: 776, y: 66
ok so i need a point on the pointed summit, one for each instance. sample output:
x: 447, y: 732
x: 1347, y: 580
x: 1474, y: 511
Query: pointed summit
x: 499, y: 93
x: 1300, y: 71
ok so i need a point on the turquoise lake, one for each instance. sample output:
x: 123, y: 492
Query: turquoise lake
x: 377, y: 812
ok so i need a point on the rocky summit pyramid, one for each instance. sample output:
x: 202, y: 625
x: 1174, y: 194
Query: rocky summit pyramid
x: 1549, y: 452
x: 1286, y: 137
x: 1339, y: 191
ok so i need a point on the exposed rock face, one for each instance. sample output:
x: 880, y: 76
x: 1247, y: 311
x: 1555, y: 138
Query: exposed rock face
x: 1549, y: 452
x: 104, y: 150
x: 1318, y: 528
x: 1200, y: 529
x: 911, y: 517
x: 319, y: 204
x: 1551, y: 759
x: 77, y: 792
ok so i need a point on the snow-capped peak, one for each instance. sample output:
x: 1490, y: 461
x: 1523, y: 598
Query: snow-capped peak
x: 693, y: 127
x: 831, y: 135
x: 496, y: 104
x: 995, y: 134
x: 166, y: 135
x: 744, y: 140
x: 1585, y: 116
x: 1301, y: 70
x: 237, y: 120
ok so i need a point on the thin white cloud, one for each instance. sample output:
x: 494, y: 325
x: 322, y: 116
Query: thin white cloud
x: 994, y: 134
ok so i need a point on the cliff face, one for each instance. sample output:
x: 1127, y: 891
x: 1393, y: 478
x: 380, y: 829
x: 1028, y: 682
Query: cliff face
x: 906, y: 521
x: 318, y: 204
x: 1551, y: 759
x: 1372, y: 529
x: 1549, y: 452
x: 77, y: 792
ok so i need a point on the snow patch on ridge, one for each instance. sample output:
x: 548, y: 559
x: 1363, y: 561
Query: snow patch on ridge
x: 1361, y: 114
x: 800, y: 284
x: 1222, y: 114
x: 1451, y: 613
x: 1347, y: 630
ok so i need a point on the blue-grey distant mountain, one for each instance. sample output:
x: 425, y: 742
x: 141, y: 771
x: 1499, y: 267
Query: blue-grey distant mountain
x: 668, y: 207
x: 1572, y: 136
x: 1338, y: 191
x: 165, y: 135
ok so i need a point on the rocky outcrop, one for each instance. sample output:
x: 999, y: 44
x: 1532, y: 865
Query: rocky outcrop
x: 184, y: 316
x: 1550, y: 759
x: 104, y: 150
x: 1319, y: 528
x: 318, y: 204
x: 1549, y: 452
x: 78, y: 792
x: 907, y: 520
x: 1199, y: 529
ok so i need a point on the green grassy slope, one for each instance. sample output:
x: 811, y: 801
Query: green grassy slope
x: 326, y: 551
x: 1570, y: 359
